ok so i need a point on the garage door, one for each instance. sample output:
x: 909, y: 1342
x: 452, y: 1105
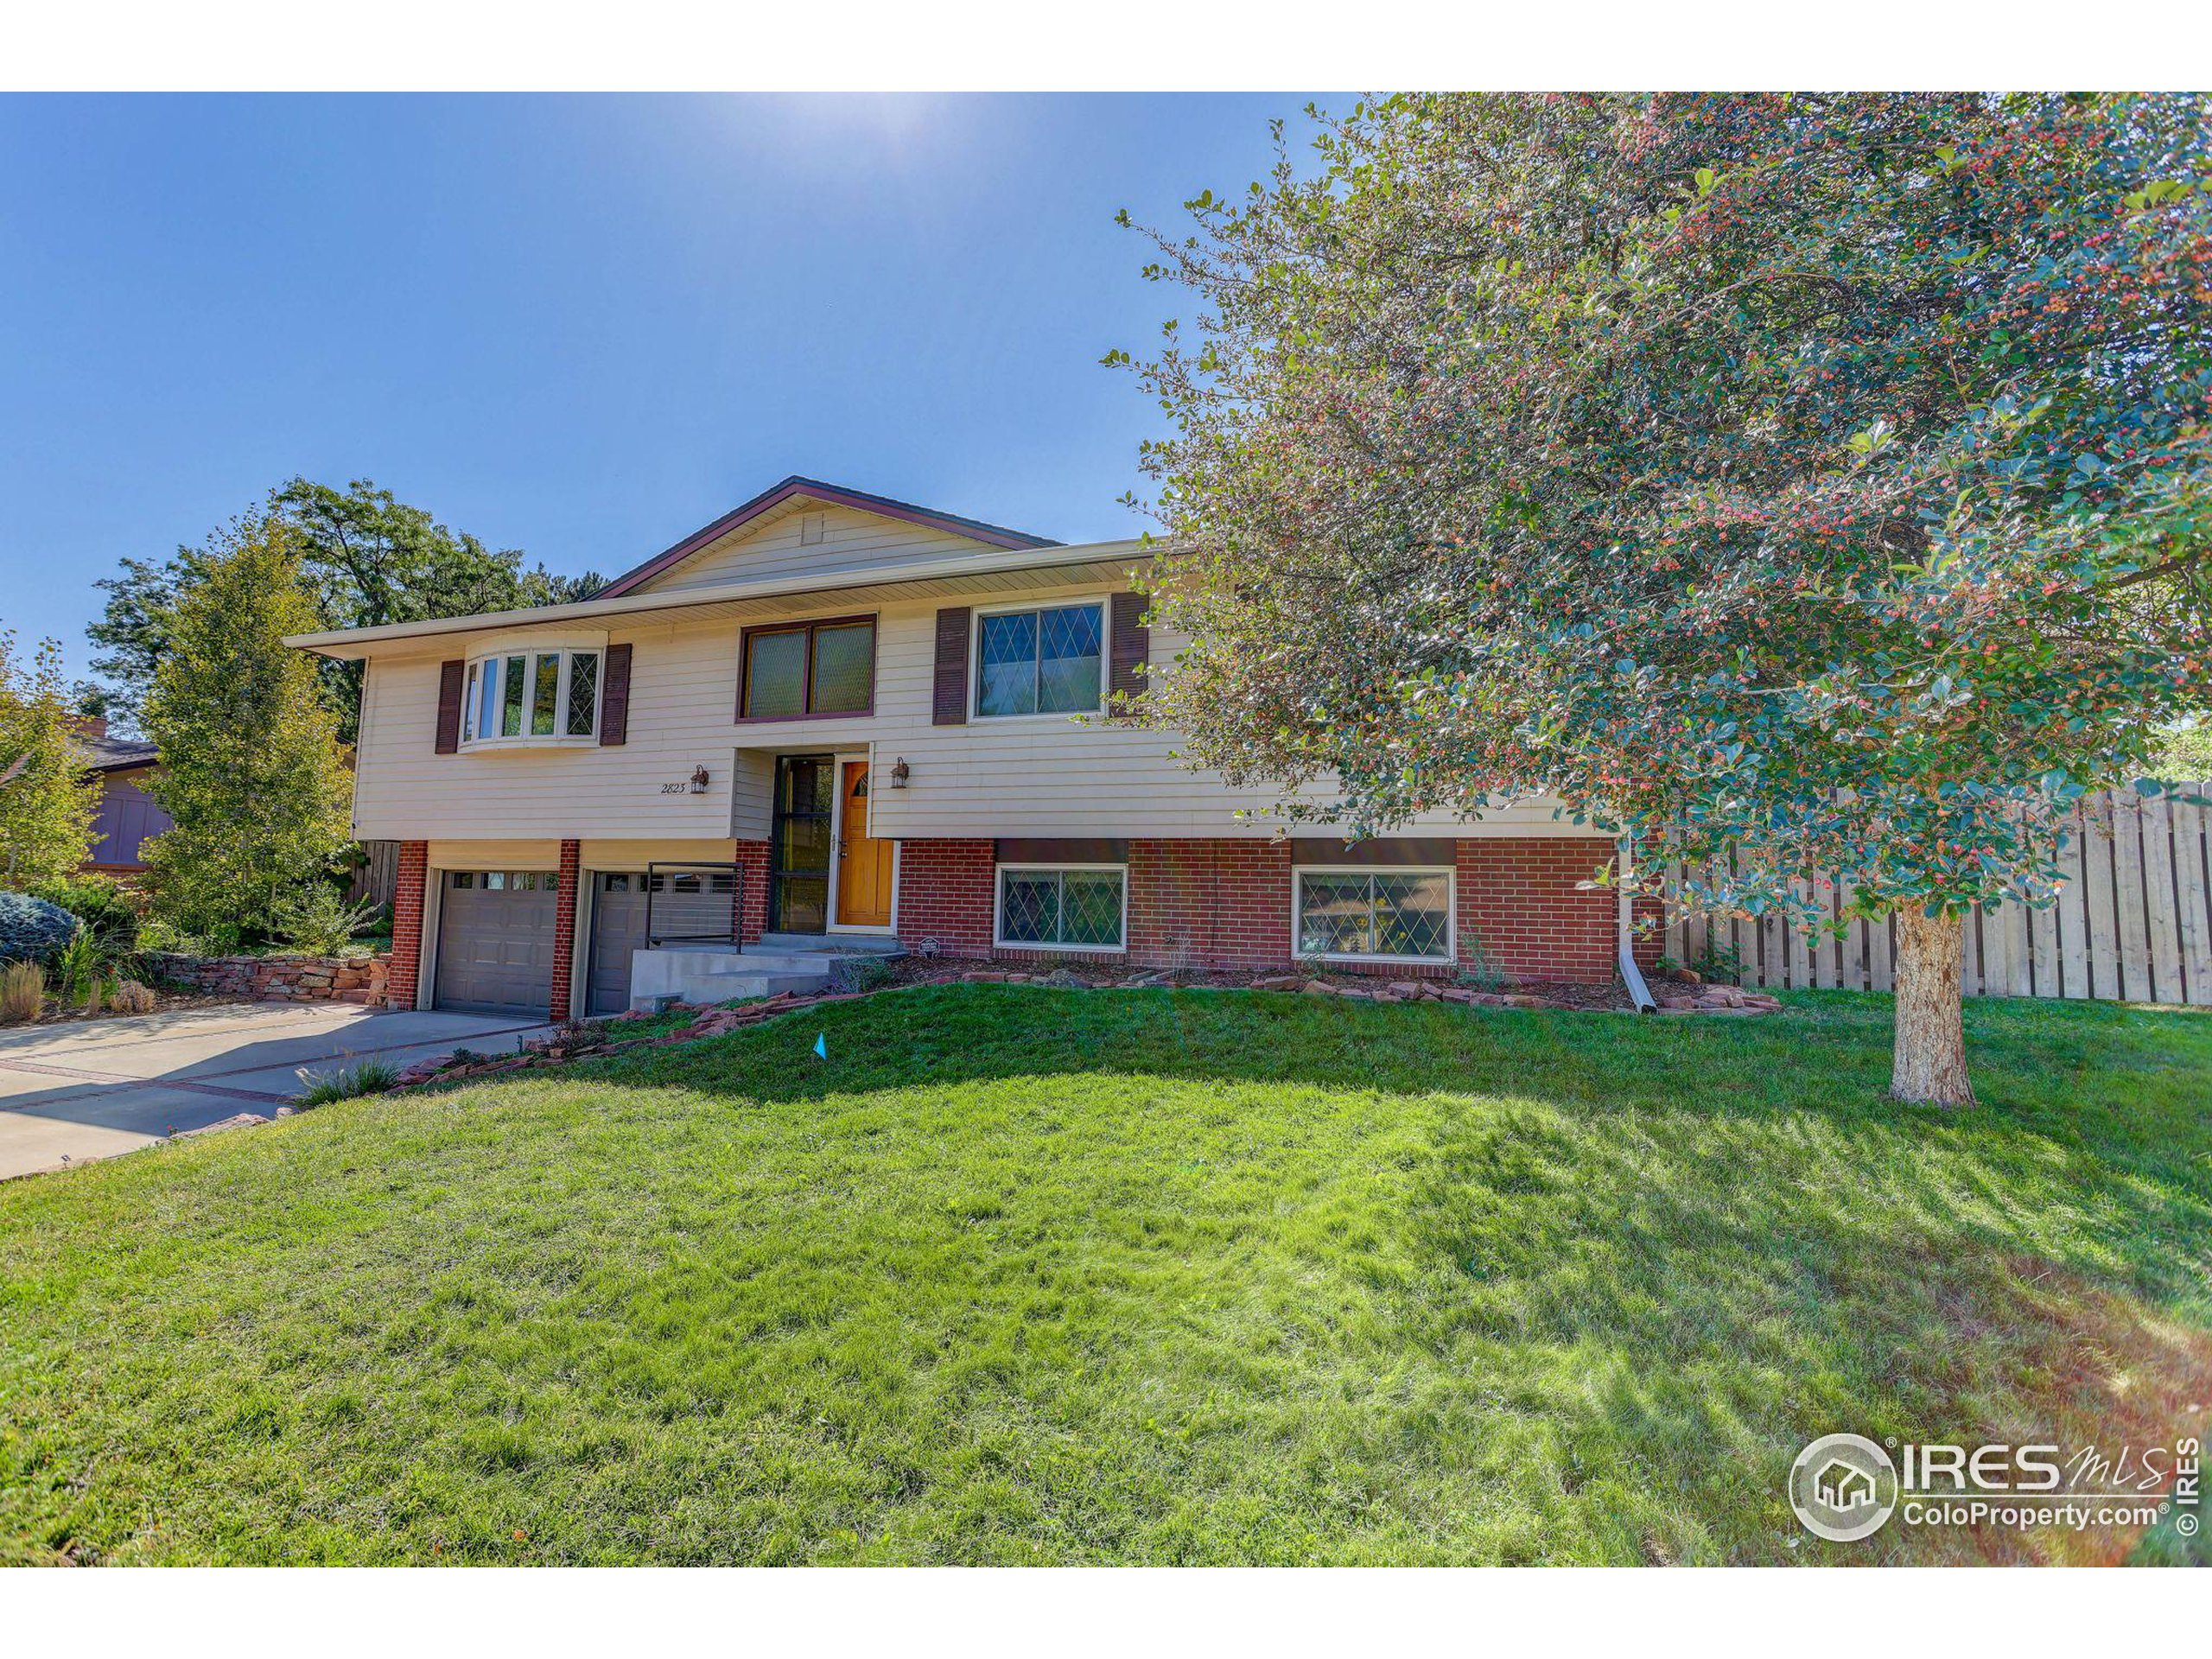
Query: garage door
x: 495, y: 940
x: 617, y: 927
x: 686, y: 904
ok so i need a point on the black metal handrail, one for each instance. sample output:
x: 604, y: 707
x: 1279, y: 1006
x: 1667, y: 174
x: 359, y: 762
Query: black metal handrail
x: 733, y: 934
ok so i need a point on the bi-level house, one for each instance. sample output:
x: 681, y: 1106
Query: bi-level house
x: 829, y: 721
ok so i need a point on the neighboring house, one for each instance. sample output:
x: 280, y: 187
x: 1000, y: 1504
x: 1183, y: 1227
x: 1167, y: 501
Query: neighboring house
x: 127, y: 817
x: 833, y: 719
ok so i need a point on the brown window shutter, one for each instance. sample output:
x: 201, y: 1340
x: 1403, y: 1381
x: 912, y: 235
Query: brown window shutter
x: 951, y: 687
x: 615, y: 699
x: 449, y: 706
x: 1131, y: 645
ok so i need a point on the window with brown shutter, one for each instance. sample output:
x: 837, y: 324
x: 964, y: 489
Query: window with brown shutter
x: 615, y: 699
x: 449, y: 706
x: 1132, y: 643
x: 951, y: 689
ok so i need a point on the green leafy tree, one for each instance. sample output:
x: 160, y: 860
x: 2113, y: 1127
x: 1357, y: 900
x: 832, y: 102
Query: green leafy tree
x: 366, y: 559
x: 1825, y: 478
x: 251, y: 768
x: 2185, y: 755
x: 48, y: 798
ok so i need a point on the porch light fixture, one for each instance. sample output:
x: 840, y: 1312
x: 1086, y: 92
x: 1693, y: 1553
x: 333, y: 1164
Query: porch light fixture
x: 899, y: 774
x: 698, y: 780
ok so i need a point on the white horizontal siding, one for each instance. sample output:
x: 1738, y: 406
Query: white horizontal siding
x: 1033, y: 777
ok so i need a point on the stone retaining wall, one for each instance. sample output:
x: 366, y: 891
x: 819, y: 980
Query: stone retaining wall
x: 279, y: 979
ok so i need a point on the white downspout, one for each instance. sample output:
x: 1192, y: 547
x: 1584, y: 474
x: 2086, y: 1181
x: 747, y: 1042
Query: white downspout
x: 1625, y: 934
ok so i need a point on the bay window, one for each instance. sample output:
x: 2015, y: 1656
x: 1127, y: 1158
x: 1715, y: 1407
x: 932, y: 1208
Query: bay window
x: 531, y: 696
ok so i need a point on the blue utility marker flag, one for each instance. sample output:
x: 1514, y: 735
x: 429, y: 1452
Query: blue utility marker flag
x: 821, y: 1047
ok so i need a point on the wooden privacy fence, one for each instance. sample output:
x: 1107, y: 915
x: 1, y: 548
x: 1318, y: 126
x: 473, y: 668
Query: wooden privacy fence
x: 2132, y: 924
x: 376, y: 880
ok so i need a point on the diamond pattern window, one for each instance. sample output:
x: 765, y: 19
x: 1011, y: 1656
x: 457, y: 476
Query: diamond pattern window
x: 1042, y: 662
x: 1400, y: 914
x: 1079, y: 908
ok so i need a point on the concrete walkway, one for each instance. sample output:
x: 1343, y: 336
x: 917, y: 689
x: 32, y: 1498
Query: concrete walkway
x: 92, y: 1088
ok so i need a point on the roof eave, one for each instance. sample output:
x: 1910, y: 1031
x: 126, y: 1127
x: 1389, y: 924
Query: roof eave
x: 348, y: 643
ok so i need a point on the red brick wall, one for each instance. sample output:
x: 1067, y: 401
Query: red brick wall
x: 564, y: 927
x: 407, y: 923
x: 1226, y: 905
x: 752, y: 860
x: 944, y: 894
x: 1209, y: 904
x: 1519, y: 895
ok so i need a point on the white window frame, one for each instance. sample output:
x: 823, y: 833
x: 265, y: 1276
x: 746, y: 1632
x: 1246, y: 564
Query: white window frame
x: 1300, y: 872
x: 472, y: 697
x: 999, y: 940
x: 1097, y: 602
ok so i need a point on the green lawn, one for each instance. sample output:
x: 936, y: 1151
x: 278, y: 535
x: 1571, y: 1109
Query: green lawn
x: 1029, y: 1275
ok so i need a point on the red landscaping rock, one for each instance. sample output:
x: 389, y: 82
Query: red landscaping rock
x: 242, y: 1121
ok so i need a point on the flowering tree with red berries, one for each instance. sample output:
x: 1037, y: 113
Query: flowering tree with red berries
x: 1825, y: 478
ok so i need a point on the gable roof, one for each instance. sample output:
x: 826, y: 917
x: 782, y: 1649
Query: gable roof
x: 836, y: 495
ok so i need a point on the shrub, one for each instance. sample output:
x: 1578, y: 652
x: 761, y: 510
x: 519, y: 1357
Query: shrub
x: 1719, y: 964
x: 130, y: 996
x: 102, y: 904
x: 22, y: 992
x: 368, y: 1077
x: 82, y: 967
x: 33, y: 930
x: 1478, y: 968
x: 155, y: 934
x: 854, y: 974
x: 320, y: 922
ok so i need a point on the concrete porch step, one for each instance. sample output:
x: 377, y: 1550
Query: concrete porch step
x: 710, y: 973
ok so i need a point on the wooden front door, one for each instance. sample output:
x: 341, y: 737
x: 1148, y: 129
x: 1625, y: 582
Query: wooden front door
x: 864, y: 862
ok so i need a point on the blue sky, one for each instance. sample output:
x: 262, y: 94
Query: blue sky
x: 581, y: 326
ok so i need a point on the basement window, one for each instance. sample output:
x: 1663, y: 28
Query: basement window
x: 1062, y: 907
x: 1373, y: 915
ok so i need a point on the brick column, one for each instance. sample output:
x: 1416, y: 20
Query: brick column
x: 407, y: 924
x: 565, y: 928
x: 752, y: 860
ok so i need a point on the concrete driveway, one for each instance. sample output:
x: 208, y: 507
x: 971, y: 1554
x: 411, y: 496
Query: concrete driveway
x: 92, y: 1088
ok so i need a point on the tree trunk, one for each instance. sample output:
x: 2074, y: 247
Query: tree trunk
x: 1929, y: 1062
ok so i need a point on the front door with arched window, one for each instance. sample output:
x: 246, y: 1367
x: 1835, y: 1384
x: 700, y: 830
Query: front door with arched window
x: 864, y: 864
